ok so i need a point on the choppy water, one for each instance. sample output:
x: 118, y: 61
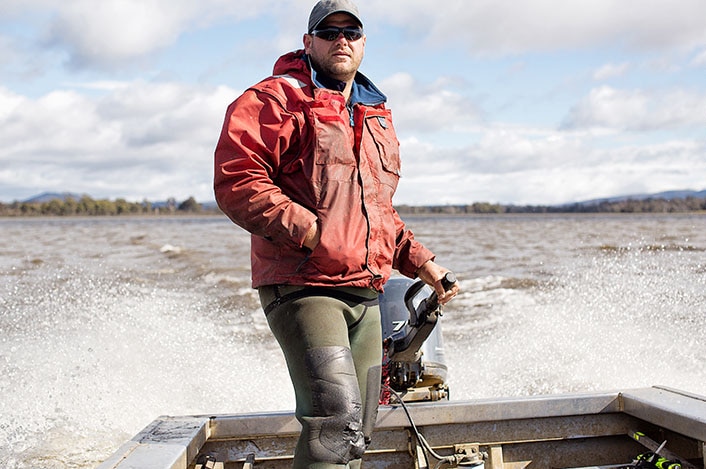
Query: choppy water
x: 107, y: 323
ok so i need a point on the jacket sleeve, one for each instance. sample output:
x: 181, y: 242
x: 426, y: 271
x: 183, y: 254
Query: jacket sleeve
x: 410, y: 254
x: 256, y: 133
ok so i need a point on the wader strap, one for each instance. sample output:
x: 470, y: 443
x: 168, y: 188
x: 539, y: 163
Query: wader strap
x: 319, y: 291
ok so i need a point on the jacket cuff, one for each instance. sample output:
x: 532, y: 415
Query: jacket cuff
x: 418, y: 255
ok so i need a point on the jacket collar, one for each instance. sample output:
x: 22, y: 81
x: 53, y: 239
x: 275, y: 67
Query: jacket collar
x: 363, y: 90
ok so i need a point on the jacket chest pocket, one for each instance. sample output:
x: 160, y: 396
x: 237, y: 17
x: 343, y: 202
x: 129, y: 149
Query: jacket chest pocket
x: 380, y: 140
x: 333, y: 137
x: 332, y: 160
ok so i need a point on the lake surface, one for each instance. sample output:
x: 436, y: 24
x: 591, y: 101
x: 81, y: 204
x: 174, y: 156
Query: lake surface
x: 107, y: 323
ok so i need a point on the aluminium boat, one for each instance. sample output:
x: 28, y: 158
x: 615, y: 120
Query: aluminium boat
x: 590, y: 430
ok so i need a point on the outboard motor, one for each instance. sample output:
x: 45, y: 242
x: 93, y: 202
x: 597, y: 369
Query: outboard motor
x: 414, y: 364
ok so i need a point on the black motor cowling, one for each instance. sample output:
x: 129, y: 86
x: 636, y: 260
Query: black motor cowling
x: 414, y: 363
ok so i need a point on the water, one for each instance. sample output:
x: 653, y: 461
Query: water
x: 108, y: 323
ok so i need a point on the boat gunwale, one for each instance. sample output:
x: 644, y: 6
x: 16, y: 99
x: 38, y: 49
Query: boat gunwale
x: 174, y: 442
x: 280, y: 423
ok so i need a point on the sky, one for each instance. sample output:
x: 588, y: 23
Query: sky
x: 500, y: 101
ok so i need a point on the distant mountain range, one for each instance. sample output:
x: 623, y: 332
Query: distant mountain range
x: 668, y: 195
x: 49, y: 196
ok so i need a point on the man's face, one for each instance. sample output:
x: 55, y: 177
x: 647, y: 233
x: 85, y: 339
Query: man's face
x: 339, y: 58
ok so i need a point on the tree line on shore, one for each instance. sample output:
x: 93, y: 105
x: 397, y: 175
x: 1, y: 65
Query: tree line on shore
x: 87, y: 206
x: 648, y: 205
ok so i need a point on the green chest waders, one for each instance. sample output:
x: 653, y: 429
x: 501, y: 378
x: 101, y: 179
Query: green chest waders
x: 332, y: 342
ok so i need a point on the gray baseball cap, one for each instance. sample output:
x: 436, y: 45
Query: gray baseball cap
x: 325, y: 8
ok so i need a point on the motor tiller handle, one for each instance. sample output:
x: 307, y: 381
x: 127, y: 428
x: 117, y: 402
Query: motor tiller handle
x: 422, y: 319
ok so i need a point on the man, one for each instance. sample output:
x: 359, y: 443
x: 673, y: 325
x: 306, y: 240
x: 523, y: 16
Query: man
x: 308, y: 162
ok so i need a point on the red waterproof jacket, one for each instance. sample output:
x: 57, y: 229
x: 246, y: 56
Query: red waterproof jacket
x: 292, y: 154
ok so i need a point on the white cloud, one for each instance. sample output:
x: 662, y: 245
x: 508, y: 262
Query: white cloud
x: 427, y: 108
x: 609, y: 71
x: 609, y: 107
x: 141, y: 140
x: 117, y: 30
x: 511, y: 27
x: 522, y: 165
x: 638, y: 110
x: 9, y: 102
x: 115, y: 33
x: 101, y: 85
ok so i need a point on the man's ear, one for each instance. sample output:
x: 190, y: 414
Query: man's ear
x: 307, y: 39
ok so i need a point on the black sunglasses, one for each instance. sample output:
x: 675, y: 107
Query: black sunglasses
x: 331, y: 33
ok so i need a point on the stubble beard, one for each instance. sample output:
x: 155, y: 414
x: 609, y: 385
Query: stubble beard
x: 343, y: 71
